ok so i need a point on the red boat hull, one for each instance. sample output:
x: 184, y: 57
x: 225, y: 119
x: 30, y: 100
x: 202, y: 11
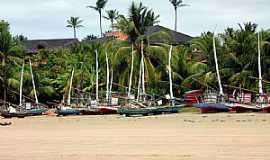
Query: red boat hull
x: 108, y: 109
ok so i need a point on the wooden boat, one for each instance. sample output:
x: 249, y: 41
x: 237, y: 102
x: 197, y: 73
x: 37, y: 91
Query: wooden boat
x: 12, y: 112
x: 90, y: 111
x: 108, y: 109
x: 244, y: 103
x: 36, y: 111
x: 128, y: 111
x: 211, y: 107
x: 167, y: 109
x: 211, y: 101
x: 7, y: 114
x: 66, y: 111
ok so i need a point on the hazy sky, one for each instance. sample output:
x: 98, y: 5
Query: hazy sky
x: 38, y: 19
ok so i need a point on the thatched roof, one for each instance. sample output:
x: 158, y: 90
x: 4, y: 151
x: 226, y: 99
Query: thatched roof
x: 159, y: 34
x: 32, y: 46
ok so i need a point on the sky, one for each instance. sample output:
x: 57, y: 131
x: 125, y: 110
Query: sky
x: 45, y: 19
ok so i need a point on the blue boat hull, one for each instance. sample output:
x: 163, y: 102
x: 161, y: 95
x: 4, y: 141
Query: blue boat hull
x: 211, y: 107
x: 67, y: 112
x: 36, y: 112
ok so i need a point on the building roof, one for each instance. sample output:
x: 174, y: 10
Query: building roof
x: 169, y: 36
x: 32, y: 46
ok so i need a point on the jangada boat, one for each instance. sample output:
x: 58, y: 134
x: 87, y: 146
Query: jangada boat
x: 11, y: 112
x: 66, y: 111
x: 261, y: 101
x: 108, y: 109
x: 212, y: 101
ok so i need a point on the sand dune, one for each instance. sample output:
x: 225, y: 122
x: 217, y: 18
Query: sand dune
x: 168, y: 137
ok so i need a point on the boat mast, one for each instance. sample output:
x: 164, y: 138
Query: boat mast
x: 96, y: 76
x: 217, y: 69
x: 143, y: 81
x: 170, y: 73
x: 131, y: 71
x: 108, y: 77
x: 260, y: 69
x: 21, y: 85
x: 70, y: 87
x: 141, y: 86
x: 33, y: 82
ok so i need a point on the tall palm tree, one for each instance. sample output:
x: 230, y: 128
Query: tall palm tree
x: 177, y: 4
x: 74, y: 22
x: 100, y: 4
x: 5, y: 47
x: 111, y: 16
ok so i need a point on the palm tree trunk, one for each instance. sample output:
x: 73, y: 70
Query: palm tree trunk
x: 175, y: 21
x: 100, y: 25
x: 112, y: 25
x: 131, y: 71
x: 75, y: 34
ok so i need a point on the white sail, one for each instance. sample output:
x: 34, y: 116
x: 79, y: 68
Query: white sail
x: 108, y: 76
x: 217, y: 69
x: 96, y: 76
x: 259, y: 66
x: 70, y: 87
x: 143, y: 69
x: 170, y: 73
x: 131, y: 72
x: 111, y: 83
x: 140, y: 81
x: 33, y: 82
x: 21, y: 85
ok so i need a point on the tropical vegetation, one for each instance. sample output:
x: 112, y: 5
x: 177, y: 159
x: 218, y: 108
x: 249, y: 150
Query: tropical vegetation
x: 193, y: 63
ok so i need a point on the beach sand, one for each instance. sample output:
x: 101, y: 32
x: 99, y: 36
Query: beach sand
x: 183, y: 136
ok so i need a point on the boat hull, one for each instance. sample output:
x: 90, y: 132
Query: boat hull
x: 36, y: 112
x: 68, y: 112
x: 211, y: 107
x: 90, y: 112
x: 167, y: 109
x: 13, y: 115
x: 108, y: 109
x: 134, y: 111
x: 242, y: 108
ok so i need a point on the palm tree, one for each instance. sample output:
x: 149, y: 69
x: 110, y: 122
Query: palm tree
x: 74, y: 22
x: 100, y: 4
x: 111, y: 16
x: 5, y: 47
x: 177, y: 4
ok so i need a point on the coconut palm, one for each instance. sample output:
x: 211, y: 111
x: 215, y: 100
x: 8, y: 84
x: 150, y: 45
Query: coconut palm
x: 8, y: 57
x: 177, y: 4
x: 100, y: 4
x: 74, y: 22
x: 112, y: 15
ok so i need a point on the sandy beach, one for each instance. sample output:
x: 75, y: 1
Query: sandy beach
x: 186, y: 136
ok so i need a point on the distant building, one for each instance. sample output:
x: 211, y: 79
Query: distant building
x: 159, y: 34
x: 156, y: 34
x: 32, y: 46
